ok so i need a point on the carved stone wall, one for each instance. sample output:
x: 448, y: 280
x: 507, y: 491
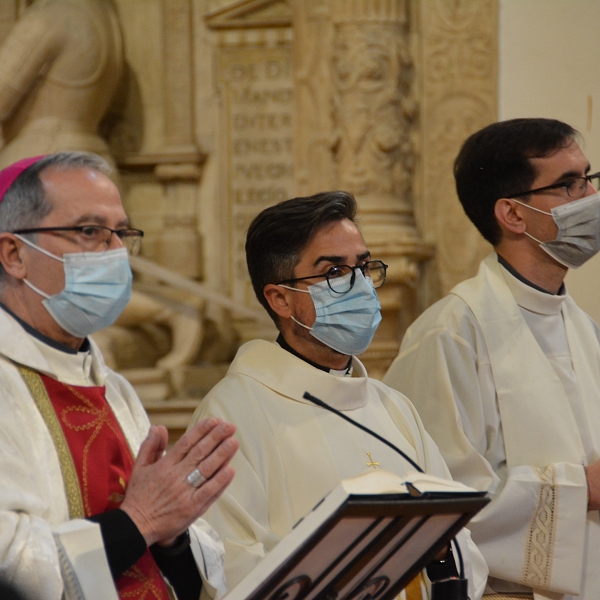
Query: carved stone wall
x: 252, y: 45
x: 153, y: 137
x: 53, y: 96
x: 228, y: 106
x: 314, y: 168
x: 357, y: 120
x: 457, y: 64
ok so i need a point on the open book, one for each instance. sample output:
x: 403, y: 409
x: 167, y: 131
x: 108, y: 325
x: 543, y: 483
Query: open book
x: 370, y: 536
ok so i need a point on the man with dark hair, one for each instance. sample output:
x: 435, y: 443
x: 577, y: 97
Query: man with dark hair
x: 312, y: 271
x: 505, y: 370
x: 90, y: 504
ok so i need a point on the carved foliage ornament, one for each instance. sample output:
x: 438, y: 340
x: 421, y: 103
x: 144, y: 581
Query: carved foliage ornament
x: 373, y: 109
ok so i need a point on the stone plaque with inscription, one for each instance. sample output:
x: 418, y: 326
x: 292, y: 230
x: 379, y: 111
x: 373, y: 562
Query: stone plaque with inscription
x: 257, y: 119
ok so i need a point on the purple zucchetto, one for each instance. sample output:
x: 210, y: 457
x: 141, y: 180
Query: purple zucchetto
x: 8, y: 175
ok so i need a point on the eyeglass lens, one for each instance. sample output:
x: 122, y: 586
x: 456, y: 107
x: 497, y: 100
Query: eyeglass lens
x: 93, y: 236
x: 341, y: 278
x: 577, y: 187
x: 131, y: 240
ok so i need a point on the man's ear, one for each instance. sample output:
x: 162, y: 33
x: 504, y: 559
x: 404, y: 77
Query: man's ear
x: 10, y: 257
x: 277, y: 297
x: 509, y: 215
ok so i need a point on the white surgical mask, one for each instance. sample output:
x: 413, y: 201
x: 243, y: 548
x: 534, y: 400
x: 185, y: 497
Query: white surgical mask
x: 345, y: 322
x: 578, y: 237
x: 97, y: 289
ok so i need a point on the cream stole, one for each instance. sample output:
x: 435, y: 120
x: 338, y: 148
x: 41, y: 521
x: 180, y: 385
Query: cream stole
x: 538, y: 424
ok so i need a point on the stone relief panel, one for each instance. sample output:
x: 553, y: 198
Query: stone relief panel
x: 458, y: 76
x: 314, y: 168
x: 373, y: 111
x: 60, y: 66
x: 356, y: 122
x: 258, y: 102
x: 254, y: 82
x: 225, y: 107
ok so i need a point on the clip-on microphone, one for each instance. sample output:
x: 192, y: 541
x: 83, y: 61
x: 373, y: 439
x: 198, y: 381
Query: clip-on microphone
x: 448, y: 588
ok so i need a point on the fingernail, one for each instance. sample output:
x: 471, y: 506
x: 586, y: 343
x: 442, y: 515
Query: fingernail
x: 224, y: 428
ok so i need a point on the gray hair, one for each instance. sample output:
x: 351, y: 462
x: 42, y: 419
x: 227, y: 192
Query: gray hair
x: 25, y: 205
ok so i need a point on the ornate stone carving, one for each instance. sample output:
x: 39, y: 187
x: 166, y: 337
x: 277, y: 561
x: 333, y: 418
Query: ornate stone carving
x: 374, y: 116
x: 458, y: 82
x: 250, y: 14
x: 357, y: 114
x: 230, y: 105
x: 164, y: 168
x: 59, y: 69
x: 314, y: 169
x: 255, y: 87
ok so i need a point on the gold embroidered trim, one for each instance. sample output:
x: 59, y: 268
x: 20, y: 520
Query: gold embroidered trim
x: 98, y: 419
x: 414, y: 590
x: 541, y: 534
x: 67, y: 466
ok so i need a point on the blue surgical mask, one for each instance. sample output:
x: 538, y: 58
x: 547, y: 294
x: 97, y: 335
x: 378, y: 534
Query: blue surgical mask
x: 97, y: 289
x: 345, y: 322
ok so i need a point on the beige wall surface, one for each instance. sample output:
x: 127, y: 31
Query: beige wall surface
x: 549, y: 57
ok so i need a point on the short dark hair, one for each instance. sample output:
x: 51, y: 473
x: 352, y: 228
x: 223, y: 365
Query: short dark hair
x: 495, y: 163
x: 278, y: 235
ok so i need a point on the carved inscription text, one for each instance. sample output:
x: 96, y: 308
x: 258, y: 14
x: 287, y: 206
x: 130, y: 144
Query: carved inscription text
x: 258, y: 92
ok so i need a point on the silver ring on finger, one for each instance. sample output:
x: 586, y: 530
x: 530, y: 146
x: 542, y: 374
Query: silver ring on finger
x: 195, y: 478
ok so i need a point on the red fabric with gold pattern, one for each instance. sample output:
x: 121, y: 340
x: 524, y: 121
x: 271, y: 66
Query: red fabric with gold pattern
x: 103, y: 461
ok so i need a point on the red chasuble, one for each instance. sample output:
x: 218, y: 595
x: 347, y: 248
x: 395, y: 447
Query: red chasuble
x: 103, y: 461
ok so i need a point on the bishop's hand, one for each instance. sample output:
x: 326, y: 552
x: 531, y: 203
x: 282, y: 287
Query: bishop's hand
x: 165, y: 494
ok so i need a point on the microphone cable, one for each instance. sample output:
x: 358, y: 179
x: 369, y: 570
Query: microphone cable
x: 339, y: 413
x: 447, y: 589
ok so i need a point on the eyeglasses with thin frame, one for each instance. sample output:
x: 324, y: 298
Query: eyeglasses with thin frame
x: 91, y: 237
x: 576, y: 187
x: 336, y: 277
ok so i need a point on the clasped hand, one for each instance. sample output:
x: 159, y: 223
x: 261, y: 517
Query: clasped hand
x: 159, y: 499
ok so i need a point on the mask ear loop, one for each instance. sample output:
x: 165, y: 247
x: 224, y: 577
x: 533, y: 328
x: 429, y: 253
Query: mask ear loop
x: 35, y: 289
x: 287, y: 287
x: 537, y: 210
x: 534, y: 239
x: 531, y: 207
x: 36, y: 247
x: 301, y: 324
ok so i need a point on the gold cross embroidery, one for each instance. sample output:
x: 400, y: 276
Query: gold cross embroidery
x: 371, y: 462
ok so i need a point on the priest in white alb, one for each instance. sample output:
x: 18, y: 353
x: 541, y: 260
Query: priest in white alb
x: 505, y: 370
x: 313, y: 273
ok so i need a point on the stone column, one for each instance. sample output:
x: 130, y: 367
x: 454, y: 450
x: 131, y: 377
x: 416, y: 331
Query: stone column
x: 365, y: 89
x: 178, y: 76
x: 179, y: 245
x: 457, y: 66
x: 313, y: 132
